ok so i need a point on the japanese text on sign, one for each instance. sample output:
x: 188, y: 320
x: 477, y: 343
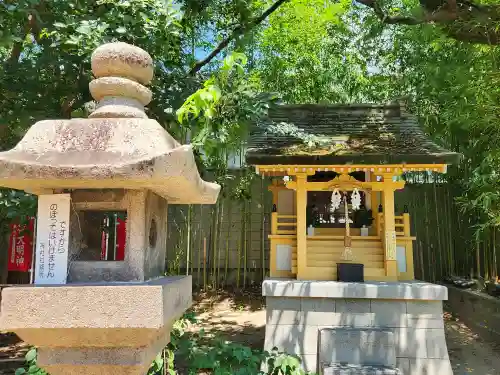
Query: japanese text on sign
x: 52, y: 239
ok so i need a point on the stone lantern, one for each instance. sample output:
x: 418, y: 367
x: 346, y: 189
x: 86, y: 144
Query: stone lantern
x: 114, y: 314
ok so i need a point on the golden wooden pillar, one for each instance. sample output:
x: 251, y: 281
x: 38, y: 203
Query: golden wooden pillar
x: 301, y: 199
x: 374, y: 202
x: 389, y: 235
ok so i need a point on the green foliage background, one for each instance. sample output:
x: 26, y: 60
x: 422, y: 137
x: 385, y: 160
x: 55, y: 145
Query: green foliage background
x: 320, y: 51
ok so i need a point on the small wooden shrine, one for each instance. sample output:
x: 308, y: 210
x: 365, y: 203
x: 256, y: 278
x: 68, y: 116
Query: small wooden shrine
x: 333, y: 194
x: 341, y: 293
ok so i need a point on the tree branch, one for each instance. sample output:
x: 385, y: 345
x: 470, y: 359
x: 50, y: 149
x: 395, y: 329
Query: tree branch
x: 238, y: 31
x: 17, y: 48
x: 31, y: 27
x: 441, y: 15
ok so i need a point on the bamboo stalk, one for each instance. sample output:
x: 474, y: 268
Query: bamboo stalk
x: 200, y: 245
x: 486, y: 256
x: 213, y: 238
x: 219, y: 228
x: 245, y: 244
x: 449, y: 204
x: 193, y: 240
x: 228, y: 232
x: 495, y: 265
x: 263, y: 232
x: 188, y: 239
x: 478, y: 260
x: 204, y: 263
x: 240, y: 245
x: 438, y: 230
x: 426, y: 242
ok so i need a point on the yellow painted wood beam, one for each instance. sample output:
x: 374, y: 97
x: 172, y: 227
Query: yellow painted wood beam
x: 301, y: 199
x: 289, y: 169
x: 331, y: 185
x: 389, y: 235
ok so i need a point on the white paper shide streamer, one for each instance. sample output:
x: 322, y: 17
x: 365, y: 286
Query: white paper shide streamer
x: 336, y: 199
x: 355, y: 199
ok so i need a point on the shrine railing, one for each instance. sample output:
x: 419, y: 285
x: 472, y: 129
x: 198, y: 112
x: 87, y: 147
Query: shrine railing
x: 283, y: 224
x: 402, y: 225
x: 286, y: 225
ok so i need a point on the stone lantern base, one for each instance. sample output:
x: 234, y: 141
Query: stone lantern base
x: 115, y: 328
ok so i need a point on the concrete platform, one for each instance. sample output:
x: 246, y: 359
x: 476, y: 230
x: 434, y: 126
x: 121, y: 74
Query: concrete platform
x: 298, y: 311
x: 413, y: 290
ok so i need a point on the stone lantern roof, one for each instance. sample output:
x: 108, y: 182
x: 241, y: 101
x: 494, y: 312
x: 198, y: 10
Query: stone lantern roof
x: 117, y: 147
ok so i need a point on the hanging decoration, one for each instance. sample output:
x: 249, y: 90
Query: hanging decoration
x: 355, y: 199
x: 336, y: 199
x: 347, y: 253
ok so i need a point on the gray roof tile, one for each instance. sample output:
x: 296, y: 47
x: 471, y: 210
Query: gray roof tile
x: 343, y: 134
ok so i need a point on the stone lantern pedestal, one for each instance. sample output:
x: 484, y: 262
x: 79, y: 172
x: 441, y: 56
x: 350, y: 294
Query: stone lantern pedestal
x: 97, y: 328
x: 115, y: 313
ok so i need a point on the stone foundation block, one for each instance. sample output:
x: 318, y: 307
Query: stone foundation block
x: 292, y: 338
x: 338, y: 319
x: 420, y: 343
x: 302, y: 316
x: 357, y: 346
x: 389, y: 313
x: 424, y: 309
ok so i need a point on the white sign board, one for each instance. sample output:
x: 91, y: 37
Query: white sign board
x: 52, y: 235
x: 283, y: 257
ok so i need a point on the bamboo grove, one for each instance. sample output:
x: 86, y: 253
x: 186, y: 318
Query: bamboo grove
x: 233, y: 251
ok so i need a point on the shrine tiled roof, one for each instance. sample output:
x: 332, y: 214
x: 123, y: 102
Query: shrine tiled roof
x: 343, y: 134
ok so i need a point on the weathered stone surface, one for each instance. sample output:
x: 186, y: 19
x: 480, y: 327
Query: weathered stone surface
x: 425, y: 309
x: 410, y: 343
x: 118, y: 147
x: 142, y: 261
x: 122, y: 60
x: 389, y: 313
x: 292, y: 338
x: 357, y: 346
x: 94, y: 328
x: 109, y: 86
x: 479, y: 311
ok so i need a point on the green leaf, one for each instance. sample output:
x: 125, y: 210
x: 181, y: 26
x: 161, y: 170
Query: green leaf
x: 31, y: 355
x: 84, y: 29
x: 121, y: 30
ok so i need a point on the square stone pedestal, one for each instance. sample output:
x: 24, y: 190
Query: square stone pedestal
x: 115, y: 328
x: 397, y: 327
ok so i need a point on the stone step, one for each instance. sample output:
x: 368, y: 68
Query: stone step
x: 365, y: 346
x: 339, y: 369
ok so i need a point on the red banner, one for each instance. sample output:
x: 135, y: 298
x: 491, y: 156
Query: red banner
x: 21, y: 246
x: 121, y: 234
x: 118, y: 229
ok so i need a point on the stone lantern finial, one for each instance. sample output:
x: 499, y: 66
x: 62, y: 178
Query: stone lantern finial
x: 121, y: 71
